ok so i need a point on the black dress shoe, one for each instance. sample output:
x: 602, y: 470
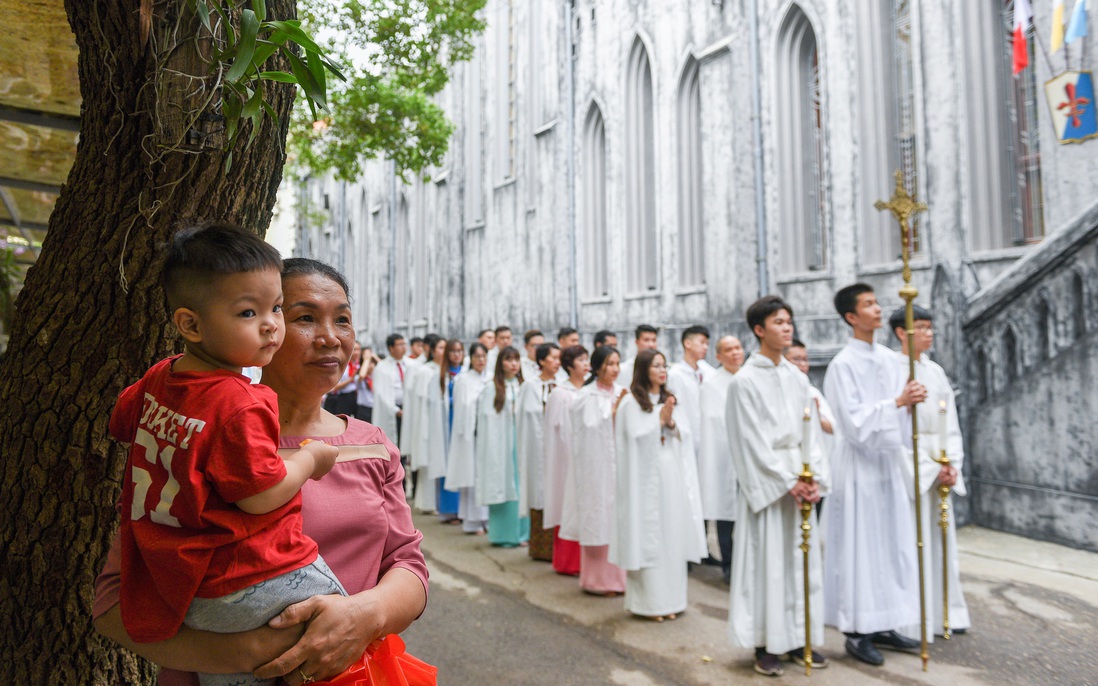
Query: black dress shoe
x: 895, y: 641
x: 862, y: 648
x: 711, y: 561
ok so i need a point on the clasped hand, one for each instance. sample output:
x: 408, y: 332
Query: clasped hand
x: 805, y: 491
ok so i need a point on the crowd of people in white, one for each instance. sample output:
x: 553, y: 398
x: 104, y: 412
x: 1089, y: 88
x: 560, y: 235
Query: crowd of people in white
x: 613, y: 469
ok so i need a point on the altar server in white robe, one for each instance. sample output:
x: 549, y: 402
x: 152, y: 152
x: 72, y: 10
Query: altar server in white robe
x: 566, y: 338
x: 658, y: 525
x: 560, y: 495
x: 770, y: 442
x: 932, y: 474
x: 389, y: 388
x: 531, y: 340
x: 425, y: 423
x: 503, y: 337
x: 716, y: 474
x: 532, y: 399
x: 440, y: 405
x: 871, y: 585
x: 593, y: 472
x: 497, y: 482
x: 645, y: 337
x: 797, y: 354
x: 685, y: 377
x: 461, y: 458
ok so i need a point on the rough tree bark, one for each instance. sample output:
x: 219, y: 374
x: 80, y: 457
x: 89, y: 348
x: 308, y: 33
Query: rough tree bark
x: 80, y: 337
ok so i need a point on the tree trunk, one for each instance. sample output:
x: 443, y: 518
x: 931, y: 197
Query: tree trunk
x: 90, y: 320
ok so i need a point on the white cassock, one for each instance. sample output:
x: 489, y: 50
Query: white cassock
x: 387, y: 381
x: 560, y: 496
x: 593, y: 463
x: 685, y: 382
x: 658, y: 525
x: 931, y: 375
x: 496, y: 436
x: 530, y: 370
x: 425, y: 424
x: 413, y: 363
x: 625, y: 375
x: 870, y: 570
x: 435, y: 425
x: 716, y: 473
x: 828, y: 440
x: 766, y: 429
x: 461, y: 459
x: 532, y: 397
x: 492, y: 355
x: 561, y: 376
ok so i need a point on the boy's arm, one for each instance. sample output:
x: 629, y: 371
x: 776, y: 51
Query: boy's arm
x: 311, y: 462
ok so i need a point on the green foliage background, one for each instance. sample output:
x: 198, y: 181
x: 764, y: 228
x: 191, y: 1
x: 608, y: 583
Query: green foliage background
x: 396, y: 56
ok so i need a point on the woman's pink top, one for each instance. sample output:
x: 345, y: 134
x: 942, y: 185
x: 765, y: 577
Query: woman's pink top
x: 357, y: 514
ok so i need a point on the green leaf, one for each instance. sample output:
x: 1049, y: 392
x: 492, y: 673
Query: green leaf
x: 316, y: 67
x: 199, y: 7
x: 249, y: 30
x: 230, y: 32
x: 296, y: 34
x: 260, y: 9
x: 313, y: 93
x: 265, y: 48
x: 251, y: 107
x: 280, y: 76
x: 333, y: 67
x: 270, y: 113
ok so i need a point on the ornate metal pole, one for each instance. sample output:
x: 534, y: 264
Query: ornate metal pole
x: 806, y: 476
x: 943, y: 522
x: 903, y: 206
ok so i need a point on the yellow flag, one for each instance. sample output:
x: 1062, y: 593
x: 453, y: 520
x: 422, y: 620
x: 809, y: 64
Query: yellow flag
x: 1057, y: 26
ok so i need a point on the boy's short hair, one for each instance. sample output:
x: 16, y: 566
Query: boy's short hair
x: 645, y: 328
x: 415, y: 339
x: 896, y: 321
x: 502, y: 329
x: 526, y: 337
x: 763, y: 308
x: 846, y: 300
x: 392, y: 339
x: 797, y: 343
x: 197, y: 254
x: 602, y: 336
x: 484, y: 331
x: 543, y: 351
x: 696, y: 330
x: 565, y: 331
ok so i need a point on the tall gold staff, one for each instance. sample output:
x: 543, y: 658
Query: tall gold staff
x: 903, y: 206
x: 806, y: 476
x: 943, y: 522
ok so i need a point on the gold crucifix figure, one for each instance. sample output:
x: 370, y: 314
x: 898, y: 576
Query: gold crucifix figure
x: 902, y: 206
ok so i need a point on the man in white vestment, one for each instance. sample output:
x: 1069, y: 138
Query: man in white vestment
x: 606, y: 337
x: 871, y: 584
x: 933, y: 428
x: 389, y: 388
x: 531, y: 340
x: 646, y: 337
x: 566, y: 338
x: 424, y: 429
x: 416, y: 354
x: 716, y: 474
x: 770, y: 442
x: 684, y: 380
x: 503, y: 339
x: 797, y: 353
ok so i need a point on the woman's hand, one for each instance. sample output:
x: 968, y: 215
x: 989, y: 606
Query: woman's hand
x: 665, y: 413
x: 338, y: 630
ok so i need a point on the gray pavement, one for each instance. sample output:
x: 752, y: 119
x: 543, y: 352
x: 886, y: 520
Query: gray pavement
x: 496, y: 616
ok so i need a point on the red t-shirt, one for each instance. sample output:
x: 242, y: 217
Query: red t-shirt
x: 200, y: 442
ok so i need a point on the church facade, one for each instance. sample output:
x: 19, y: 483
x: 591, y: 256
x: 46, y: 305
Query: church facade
x: 626, y: 161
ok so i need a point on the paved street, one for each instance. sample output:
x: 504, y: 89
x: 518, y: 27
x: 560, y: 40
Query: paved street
x: 495, y: 616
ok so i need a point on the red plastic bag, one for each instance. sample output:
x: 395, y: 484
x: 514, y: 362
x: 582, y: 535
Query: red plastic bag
x: 386, y: 664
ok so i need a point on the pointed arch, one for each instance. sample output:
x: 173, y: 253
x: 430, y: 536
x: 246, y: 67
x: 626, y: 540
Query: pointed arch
x: 1043, y: 329
x: 642, y: 265
x: 803, y: 226
x: 691, y: 247
x: 596, y: 281
x: 1010, y: 356
x: 1078, y: 311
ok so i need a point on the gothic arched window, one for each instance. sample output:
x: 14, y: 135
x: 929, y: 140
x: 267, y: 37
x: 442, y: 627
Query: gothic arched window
x: 691, y: 245
x: 596, y: 281
x: 642, y: 264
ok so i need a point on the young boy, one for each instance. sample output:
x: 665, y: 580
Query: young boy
x: 766, y: 430
x: 871, y: 582
x: 211, y: 528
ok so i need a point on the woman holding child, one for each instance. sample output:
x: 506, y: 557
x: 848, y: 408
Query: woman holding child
x: 375, y: 553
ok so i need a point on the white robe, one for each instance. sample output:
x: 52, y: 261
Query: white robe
x: 766, y: 429
x: 425, y: 432
x: 560, y: 496
x: 530, y: 369
x: 531, y: 415
x: 684, y: 384
x: 716, y: 473
x: 931, y: 375
x: 870, y: 566
x: 496, y: 437
x: 461, y: 461
x: 593, y: 463
x: 625, y: 375
x: 658, y: 524
x: 435, y: 427
x: 386, y: 377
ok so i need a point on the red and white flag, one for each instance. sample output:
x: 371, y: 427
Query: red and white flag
x: 1023, y: 17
